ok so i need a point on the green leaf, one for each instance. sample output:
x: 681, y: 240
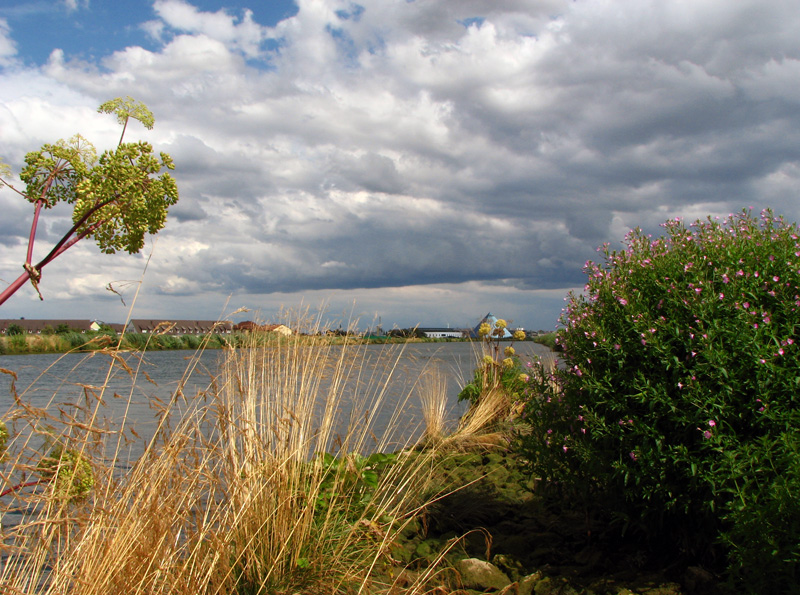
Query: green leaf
x: 370, y: 478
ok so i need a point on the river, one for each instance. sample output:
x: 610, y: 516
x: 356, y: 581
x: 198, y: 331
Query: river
x: 61, y: 383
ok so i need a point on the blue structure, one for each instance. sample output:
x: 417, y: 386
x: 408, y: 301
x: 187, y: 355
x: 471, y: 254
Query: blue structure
x: 491, y: 319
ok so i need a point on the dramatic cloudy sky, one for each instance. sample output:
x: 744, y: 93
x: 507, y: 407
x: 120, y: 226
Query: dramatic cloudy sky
x: 416, y: 161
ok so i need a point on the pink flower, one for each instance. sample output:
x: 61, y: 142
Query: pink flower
x: 707, y: 434
x: 632, y: 455
x: 712, y: 423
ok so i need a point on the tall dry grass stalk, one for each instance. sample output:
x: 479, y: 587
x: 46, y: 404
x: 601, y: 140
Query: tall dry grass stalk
x: 433, y: 399
x: 230, y: 495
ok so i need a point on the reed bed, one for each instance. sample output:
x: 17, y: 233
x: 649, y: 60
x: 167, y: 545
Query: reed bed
x: 273, y: 480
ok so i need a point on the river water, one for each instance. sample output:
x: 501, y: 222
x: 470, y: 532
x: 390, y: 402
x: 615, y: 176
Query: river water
x: 124, y: 398
x: 62, y: 384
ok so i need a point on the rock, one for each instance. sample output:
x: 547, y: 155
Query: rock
x: 527, y: 583
x: 698, y: 580
x: 551, y: 586
x: 478, y: 574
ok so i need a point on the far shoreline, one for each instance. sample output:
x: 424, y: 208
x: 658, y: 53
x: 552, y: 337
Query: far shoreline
x: 26, y: 344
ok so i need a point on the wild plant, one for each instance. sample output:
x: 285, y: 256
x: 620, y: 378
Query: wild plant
x: 678, y: 404
x: 499, y: 368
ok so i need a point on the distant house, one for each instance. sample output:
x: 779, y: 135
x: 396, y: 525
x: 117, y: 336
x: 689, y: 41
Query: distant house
x: 443, y: 333
x: 38, y: 326
x: 179, y: 327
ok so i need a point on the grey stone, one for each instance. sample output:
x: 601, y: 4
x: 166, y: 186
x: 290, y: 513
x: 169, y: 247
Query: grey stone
x: 478, y: 574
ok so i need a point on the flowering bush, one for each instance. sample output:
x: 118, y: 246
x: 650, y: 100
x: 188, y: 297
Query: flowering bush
x: 679, y: 401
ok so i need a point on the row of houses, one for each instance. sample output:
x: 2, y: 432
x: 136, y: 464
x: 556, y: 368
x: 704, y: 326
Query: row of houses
x: 137, y: 325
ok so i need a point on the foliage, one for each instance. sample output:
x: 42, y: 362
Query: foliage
x: 68, y: 471
x: 494, y: 371
x: 117, y: 198
x: 3, y: 438
x: 14, y: 329
x: 679, y: 401
x: 352, y: 474
x: 548, y: 340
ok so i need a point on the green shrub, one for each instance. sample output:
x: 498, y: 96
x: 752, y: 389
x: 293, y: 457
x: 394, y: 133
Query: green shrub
x: 76, y: 340
x: 192, y: 341
x: 679, y: 405
x: 171, y: 342
x: 548, y: 340
x: 17, y: 343
x: 134, y: 341
x: 14, y: 329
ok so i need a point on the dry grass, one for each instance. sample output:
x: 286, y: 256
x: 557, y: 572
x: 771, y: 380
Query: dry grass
x: 228, y: 496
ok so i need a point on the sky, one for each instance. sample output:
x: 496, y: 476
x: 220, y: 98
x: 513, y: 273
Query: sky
x: 402, y: 162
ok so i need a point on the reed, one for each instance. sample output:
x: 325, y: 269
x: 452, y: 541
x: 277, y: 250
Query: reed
x: 273, y: 480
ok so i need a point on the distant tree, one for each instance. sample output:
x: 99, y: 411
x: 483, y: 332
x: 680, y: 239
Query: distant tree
x: 63, y: 329
x: 14, y: 329
x: 48, y: 330
x: 116, y: 198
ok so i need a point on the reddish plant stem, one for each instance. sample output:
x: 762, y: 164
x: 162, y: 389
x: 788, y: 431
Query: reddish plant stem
x: 66, y: 242
x: 32, y: 236
x: 19, y: 486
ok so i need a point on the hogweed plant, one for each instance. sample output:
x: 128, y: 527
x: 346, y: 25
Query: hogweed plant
x: 116, y: 198
x: 499, y: 368
x: 680, y: 400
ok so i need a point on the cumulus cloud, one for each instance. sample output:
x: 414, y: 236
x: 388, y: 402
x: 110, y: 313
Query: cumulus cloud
x: 240, y: 33
x: 460, y: 151
x: 8, y: 49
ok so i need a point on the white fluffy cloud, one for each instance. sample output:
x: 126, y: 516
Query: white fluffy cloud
x: 475, y: 150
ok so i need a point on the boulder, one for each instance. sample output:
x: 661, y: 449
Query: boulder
x: 481, y: 575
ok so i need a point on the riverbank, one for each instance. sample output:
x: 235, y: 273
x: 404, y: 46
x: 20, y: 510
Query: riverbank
x: 492, y: 529
x: 25, y: 344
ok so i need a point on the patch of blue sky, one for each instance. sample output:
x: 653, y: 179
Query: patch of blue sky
x: 346, y: 46
x: 467, y: 23
x: 353, y: 13
x: 90, y: 32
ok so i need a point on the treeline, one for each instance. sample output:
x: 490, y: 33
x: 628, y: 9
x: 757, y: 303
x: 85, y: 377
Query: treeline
x: 78, y: 341
x: 65, y: 341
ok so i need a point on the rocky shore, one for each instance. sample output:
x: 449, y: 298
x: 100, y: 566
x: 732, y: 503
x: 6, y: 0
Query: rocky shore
x: 498, y: 534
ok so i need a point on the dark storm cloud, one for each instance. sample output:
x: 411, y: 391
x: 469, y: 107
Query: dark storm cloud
x: 475, y: 144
